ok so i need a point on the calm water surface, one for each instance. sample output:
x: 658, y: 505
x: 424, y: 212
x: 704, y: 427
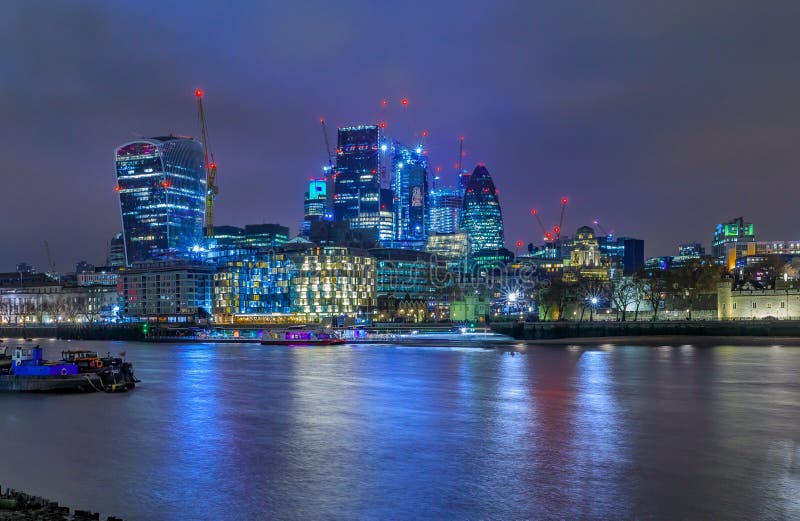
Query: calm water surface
x: 376, y: 432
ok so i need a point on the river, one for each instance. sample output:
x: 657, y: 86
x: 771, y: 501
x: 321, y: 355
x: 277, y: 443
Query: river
x: 380, y: 432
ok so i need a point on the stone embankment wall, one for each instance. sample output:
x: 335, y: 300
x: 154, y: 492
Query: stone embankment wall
x: 555, y: 330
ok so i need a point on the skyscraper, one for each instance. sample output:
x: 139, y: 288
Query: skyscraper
x: 162, y: 185
x: 732, y: 235
x: 357, y: 178
x: 410, y: 185
x: 481, y: 217
x: 116, y: 251
x: 444, y: 210
x: 314, y: 204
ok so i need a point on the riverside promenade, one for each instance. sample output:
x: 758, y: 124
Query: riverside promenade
x: 672, y: 328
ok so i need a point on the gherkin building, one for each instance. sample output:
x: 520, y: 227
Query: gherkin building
x: 481, y: 218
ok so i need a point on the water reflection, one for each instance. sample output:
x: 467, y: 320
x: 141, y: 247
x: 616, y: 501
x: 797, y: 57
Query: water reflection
x: 379, y: 432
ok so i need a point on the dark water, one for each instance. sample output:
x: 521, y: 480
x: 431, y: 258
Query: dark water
x: 249, y: 432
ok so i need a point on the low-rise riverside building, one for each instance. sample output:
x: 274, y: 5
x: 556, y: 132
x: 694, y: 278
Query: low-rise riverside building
x: 253, y: 289
x: 37, y: 298
x: 749, y: 302
x: 167, y: 292
x: 332, y: 281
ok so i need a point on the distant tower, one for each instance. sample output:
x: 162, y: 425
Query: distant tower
x: 161, y: 183
x: 314, y: 204
x: 410, y: 185
x: 116, y: 251
x: 444, y: 210
x: 357, y: 183
x: 481, y: 217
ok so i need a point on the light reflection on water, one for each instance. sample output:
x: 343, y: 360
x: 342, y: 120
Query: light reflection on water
x: 381, y: 432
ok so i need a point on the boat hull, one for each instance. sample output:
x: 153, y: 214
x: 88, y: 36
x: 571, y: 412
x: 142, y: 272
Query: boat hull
x: 80, y: 383
x: 327, y: 342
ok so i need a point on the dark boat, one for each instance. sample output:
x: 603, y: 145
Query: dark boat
x: 115, y: 373
x: 30, y: 372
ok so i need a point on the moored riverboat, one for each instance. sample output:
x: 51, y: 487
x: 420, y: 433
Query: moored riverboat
x: 301, y: 337
x: 30, y: 372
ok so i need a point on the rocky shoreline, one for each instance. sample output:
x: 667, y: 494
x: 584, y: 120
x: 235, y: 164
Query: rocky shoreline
x: 19, y: 506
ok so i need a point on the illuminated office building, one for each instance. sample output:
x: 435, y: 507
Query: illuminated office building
x: 167, y: 291
x: 444, y: 210
x: 332, y: 281
x: 161, y: 183
x: 257, y: 237
x: 481, y: 217
x: 728, y: 236
x: 453, y: 248
x: 357, y: 181
x: 252, y: 287
x: 314, y: 204
x: 410, y: 186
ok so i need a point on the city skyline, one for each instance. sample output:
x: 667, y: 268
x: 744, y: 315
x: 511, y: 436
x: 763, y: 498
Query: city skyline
x: 635, y: 149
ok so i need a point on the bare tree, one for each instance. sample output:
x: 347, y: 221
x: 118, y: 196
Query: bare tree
x: 654, y: 287
x: 623, y: 294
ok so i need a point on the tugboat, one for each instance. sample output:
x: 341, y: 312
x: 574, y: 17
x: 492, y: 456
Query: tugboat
x: 301, y: 337
x: 115, y: 373
x: 29, y: 372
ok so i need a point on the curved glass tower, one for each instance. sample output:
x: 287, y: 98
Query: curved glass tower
x: 161, y: 183
x: 481, y: 218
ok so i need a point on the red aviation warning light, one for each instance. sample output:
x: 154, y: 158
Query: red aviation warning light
x: 564, y: 200
x: 384, y: 103
x: 383, y: 125
x: 404, y: 102
x: 165, y: 184
x: 424, y: 133
x: 117, y: 188
x: 519, y: 244
x: 534, y: 212
x: 198, y: 93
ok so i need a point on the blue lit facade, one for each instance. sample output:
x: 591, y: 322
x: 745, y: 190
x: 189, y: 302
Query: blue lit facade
x: 410, y: 185
x: 162, y: 185
x: 254, y: 285
x: 481, y: 217
x: 444, y: 210
x: 314, y: 204
x: 357, y: 178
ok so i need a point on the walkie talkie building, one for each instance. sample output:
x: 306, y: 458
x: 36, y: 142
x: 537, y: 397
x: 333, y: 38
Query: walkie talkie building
x: 161, y: 183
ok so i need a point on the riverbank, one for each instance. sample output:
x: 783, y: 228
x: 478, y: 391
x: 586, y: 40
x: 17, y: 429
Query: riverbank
x: 76, y: 332
x: 19, y: 506
x: 711, y: 328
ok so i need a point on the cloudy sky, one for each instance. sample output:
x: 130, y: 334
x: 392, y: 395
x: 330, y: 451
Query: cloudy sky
x: 660, y: 119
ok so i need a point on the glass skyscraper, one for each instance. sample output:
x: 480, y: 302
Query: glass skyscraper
x: 444, y: 210
x: 410, y: 185
x: 481, y: 218
x: 314, y: 204
x: 161, y: 183
x: 357, y: 177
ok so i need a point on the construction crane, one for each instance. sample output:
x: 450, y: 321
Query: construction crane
x: 462, y: 178
x: 600, y: 226
x: 555, y: 235
x: 52, y: 265
x: 558, y: 229
x: 211, y: 168
x: 327, y: 146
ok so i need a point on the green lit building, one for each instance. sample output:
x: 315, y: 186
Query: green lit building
x: 728, y: 235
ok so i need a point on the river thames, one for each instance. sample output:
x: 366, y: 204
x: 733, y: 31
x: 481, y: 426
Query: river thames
x: 381, y: 432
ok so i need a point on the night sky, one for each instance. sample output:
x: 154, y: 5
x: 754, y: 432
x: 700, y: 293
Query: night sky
x: 661, y: 119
